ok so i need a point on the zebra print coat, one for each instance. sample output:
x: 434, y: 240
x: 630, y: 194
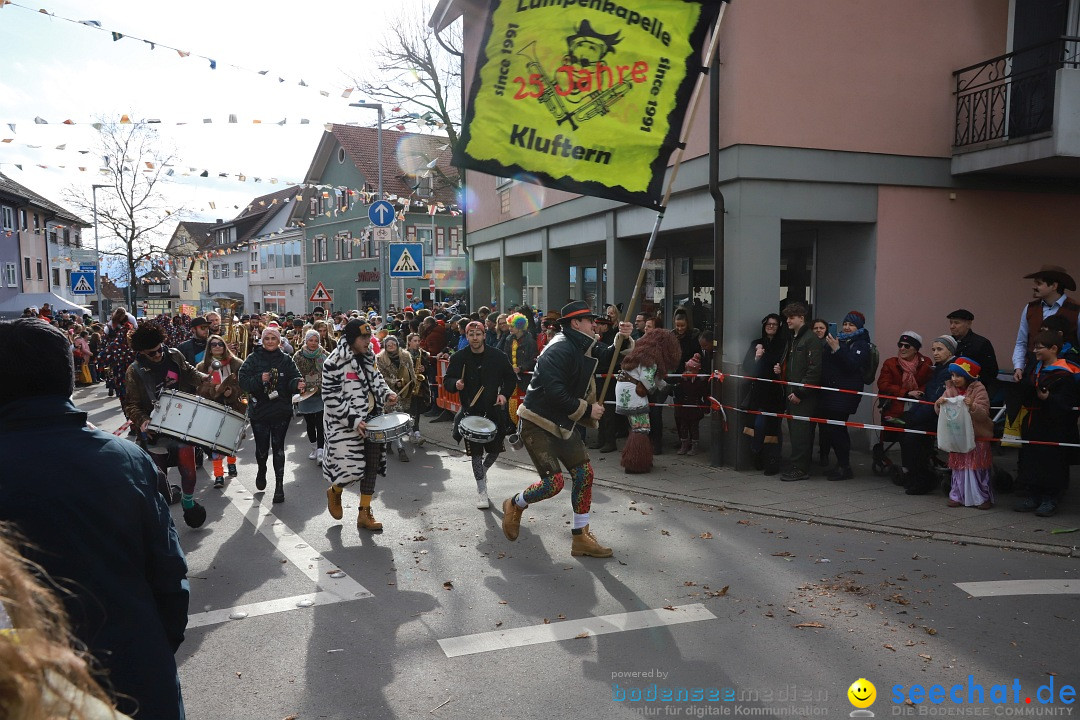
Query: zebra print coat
x: 353, y: 391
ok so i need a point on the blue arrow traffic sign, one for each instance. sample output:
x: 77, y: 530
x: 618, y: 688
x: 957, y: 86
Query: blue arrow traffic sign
x: 83, y: 283
x: 381, y: 214
x: 406, y: 260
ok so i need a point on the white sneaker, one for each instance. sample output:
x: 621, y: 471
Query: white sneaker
x: 418, y: 438
x: 319, y: 454
x: 313, y: 454
x: 482, y: 501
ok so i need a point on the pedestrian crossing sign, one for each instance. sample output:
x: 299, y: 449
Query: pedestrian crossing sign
x: 82, y: 282
x: 406, y: 260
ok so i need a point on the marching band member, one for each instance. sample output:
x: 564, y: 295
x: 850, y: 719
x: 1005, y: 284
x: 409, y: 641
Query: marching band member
x: 309, y: 361
x: 157, y: 368
x: 422, y: 399
x: 353, y: 393
x: 269, y: 377
x: 561, y: 395
x: 222, y: 369
x: 483, y: 379
x: 398, y: 371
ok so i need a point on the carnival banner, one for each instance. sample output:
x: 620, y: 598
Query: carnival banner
x: 586, y: 96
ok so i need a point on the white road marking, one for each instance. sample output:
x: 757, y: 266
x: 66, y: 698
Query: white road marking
x: 566, y: 630
x: 329, y: 590
x: 1000, y: 588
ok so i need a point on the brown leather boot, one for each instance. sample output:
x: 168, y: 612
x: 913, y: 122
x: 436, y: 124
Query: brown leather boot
x: 511, y: 520
x: 586, y: 543
x: 333, y: 501
x: 366, y: 521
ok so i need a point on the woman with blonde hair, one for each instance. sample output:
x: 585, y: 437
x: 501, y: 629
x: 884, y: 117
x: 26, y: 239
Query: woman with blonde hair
x: 44, y: 677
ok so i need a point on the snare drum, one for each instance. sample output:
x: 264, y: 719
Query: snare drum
x: 198, y: 421
x: 388, y: 427
x: 477, y: 429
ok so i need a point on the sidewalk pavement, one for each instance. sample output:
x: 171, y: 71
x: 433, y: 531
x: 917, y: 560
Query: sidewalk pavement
x: 867, y: 502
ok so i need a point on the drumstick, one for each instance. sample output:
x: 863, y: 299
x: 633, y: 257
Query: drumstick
x: 477, y: 396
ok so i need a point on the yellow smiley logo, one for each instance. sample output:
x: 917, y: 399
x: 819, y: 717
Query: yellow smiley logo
x: 862, y: 693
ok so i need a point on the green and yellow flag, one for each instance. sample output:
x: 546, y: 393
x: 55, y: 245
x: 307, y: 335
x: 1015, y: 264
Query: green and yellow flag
x: 586, y: 96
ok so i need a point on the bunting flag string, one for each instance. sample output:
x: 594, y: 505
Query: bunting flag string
x: 154, y: 45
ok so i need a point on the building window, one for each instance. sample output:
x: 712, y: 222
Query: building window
x: 67, y: 274
x: 238, y: 269
x: 274, y: 301
x: 341, y: 155
x: 254, y: 268
x: 37, y: 223
x: 504, y: 201
x: 224, y: 270
x: 8, y: 218
x: 344, y: 243
x: 279, y: 255
x: 321, y: 243
x: 40, y: 271
x: 423, y: 235
x: 22, y: 219
x: 262, y: 257
x: 67, y: 236
x: 56, y: 277
x: 295, y: 246
x: 11, y: 275
x: 26, y: 268
x: 343, y: 200
x: 454, y: 247
x: 215, y: 271
x: 185, y: 285
x: 52, y: 236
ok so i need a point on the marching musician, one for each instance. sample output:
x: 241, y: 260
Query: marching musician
x: 399, y: 372
x: 561, y: 395
x: 422, y: 399
x: 222, y: 385
x: 483, y: 379
x: 269, y: 377
x: 309, y: 361
x: 157, y: 368
x: 353, y: 392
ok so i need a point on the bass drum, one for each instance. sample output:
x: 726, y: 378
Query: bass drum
x: 198, y: 421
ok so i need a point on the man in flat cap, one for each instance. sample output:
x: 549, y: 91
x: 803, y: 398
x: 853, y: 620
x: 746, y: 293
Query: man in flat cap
x: 972, y: 345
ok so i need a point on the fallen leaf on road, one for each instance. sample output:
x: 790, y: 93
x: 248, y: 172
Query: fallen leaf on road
x: 668, y: 607
x: 706, y: 536
x: 783, y: 554
x: 742, y: 522
x: 792, y: 610
x: 809, y: 625
x: 546, y: 621
x: 582, y: 635
x: 502, y: 602
x: 448, y: 585
x: 889, y: 647
x: 239, y: 674
x: 291, y: 717
x: 419, y: 538
x: 689, y: 583
x: 909, y: 643
x: 927, y: 658
x: 560, y: 616
x: 929, y: 630
x: 664, y: 532
x: 498, y: 624
x: 769, y: 614
x: 718, y: 593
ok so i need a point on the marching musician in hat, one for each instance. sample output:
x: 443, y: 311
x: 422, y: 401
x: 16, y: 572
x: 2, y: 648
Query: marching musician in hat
x: 561, y: 395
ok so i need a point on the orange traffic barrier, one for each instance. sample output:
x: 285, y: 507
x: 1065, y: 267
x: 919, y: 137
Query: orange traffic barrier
x: 445, y: 400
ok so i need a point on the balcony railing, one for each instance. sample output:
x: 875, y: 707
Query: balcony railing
x: 1011, y: 96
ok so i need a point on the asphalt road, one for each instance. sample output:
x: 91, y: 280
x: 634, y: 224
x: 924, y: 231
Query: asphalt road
x: 439, y: 616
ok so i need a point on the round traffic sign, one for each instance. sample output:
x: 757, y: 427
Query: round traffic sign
x: 408, y: 293
x: 431, y: 285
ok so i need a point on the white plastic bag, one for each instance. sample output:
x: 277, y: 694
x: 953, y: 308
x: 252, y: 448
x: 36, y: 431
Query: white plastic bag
x: 955, y: 433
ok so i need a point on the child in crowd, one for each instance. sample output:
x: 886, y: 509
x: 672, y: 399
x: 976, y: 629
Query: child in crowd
x: 971, y: 470
x: 1050, y: 394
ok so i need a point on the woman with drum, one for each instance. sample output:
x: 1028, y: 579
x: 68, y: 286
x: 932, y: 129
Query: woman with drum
x: 483, y: 378
x: 354, y: 393
x: 270, y: 378
x: 221, y: 386
x: 309, y: 361
x: 156, y: 369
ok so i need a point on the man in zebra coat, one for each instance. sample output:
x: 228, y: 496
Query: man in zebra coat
x: 353, y: 392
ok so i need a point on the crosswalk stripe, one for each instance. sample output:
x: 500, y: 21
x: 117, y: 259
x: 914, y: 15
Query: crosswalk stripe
x: 569, y: 629
x: 1001, y: 588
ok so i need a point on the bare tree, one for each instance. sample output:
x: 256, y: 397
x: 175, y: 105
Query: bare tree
x: 131, y: 209
x: 419, y: 77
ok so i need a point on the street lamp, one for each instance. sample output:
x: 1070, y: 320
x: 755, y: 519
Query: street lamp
x: 97, y: 254
x: 384, y: 253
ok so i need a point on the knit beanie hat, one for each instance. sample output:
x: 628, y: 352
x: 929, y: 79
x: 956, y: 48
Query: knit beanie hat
x: 912, y: 338
x: 948, y: 341
x: 966, y: 367
x: 856, y: 318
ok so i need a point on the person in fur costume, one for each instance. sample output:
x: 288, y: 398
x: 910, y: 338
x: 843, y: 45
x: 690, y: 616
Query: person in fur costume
x: 644, y: 368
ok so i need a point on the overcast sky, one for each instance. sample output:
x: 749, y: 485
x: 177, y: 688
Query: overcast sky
x: 59, y: 70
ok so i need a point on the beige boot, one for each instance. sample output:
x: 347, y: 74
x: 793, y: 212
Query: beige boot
x: 511, y: 520
x: 587, y: 544
x: 333, y: 501
x: 366, y: 521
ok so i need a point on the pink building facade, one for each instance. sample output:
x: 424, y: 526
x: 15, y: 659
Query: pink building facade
x: 860, y: 170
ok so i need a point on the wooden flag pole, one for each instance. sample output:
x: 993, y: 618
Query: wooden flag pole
x: 694, y: 97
